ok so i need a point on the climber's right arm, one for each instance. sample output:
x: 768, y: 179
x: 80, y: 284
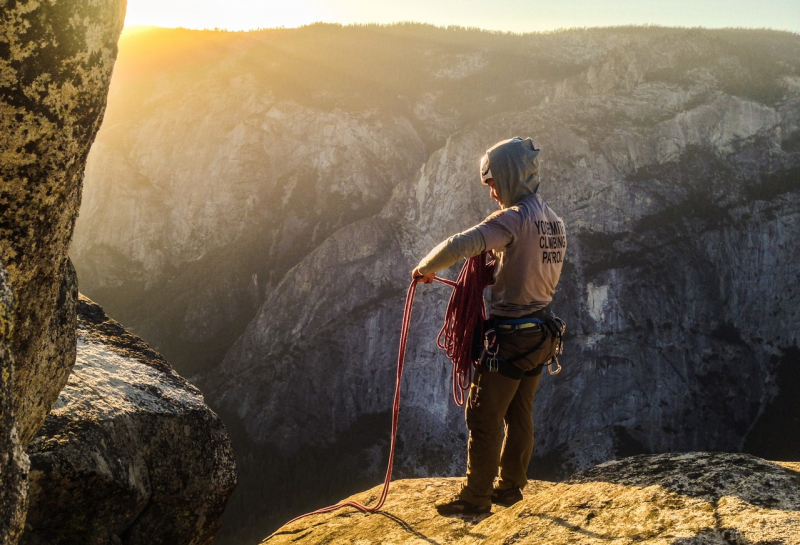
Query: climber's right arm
x: 460, y: 246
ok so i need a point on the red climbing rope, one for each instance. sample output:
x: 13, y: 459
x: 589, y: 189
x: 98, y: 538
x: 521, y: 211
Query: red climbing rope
x: 457, y: 334
x: 461, y: 319
x: 401, y: 356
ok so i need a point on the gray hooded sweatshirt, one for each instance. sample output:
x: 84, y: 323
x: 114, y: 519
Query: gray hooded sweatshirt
x: 527, y: 238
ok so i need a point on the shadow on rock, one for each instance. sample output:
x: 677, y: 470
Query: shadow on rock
x: 729, y: 536
x: 407, y: 527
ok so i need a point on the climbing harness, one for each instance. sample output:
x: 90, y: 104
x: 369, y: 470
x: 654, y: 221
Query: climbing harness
x: 548, y: 323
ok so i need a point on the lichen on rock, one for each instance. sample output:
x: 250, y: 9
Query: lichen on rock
x: 13, y: 461
x: 57, y: 59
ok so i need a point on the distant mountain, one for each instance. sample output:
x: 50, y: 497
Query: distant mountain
x: 255, y: 201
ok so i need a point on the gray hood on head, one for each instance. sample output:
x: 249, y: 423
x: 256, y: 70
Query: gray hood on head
x: 515, y: 169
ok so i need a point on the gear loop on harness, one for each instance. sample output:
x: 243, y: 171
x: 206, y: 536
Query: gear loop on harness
x: 560, y: 326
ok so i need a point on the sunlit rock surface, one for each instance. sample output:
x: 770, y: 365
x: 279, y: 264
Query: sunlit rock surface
x: 686, y: 499
x: 130, y: 452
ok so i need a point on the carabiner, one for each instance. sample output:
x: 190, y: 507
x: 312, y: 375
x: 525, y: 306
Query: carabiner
x: 550, y: 366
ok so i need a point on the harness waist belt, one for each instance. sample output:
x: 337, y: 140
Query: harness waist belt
x: 513, y: 324
x: 532, y: 323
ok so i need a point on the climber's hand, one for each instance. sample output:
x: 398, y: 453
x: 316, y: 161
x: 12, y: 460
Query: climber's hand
x: 424, y: 278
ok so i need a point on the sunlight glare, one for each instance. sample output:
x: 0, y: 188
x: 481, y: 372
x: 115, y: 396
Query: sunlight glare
x: 209, y: 14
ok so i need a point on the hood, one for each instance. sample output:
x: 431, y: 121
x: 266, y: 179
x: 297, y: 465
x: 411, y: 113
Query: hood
x: 514, y: 167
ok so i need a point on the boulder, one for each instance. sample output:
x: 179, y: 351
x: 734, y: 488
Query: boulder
x: 130, y: 453
x: 693, y: 498
x: 57, y: 59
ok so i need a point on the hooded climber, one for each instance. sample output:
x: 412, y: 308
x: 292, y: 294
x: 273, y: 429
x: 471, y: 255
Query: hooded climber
x: 528, y: 241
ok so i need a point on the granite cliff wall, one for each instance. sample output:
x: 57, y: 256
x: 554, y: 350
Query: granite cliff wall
x: 13, y: 461
x: 218, y: 187
x: 58, y: 60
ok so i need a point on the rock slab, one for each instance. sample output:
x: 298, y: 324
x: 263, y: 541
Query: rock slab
x: 693, y: 498
x: 130, y: 453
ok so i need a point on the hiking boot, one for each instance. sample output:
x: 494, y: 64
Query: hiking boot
x: 457, y: 506
x: 506, y: 496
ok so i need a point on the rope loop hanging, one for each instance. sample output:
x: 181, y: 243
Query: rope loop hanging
x: 401, y: 356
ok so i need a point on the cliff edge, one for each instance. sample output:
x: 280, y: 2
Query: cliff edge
x: 693, y: 498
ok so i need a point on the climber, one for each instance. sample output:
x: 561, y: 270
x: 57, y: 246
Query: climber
x: 528, y: 241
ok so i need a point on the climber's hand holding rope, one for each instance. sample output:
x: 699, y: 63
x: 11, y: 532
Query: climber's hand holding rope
x: 424, y: 278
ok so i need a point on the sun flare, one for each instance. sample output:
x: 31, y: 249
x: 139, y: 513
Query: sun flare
x: 246, y: 15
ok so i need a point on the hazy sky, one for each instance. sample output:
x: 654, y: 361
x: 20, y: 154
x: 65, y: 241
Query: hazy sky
x: 514, y: 15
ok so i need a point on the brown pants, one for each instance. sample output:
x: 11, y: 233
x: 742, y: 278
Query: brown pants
x: 496, y: 404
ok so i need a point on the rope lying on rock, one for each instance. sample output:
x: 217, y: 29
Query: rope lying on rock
x: 455, y: 338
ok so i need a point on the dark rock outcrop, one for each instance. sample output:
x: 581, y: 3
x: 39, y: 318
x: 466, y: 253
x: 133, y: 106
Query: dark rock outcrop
x: 686, y: 499
x: 13, y: 461
x: 130, y: 453
x: 57, y: 63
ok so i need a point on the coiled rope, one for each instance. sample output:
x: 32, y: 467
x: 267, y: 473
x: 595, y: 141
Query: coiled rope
x: 464, y: 311
x: 466, y: 304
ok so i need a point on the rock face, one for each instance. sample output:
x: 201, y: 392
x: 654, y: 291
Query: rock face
x: 696, y: 498
x: 13, y: 461
x: 246, y: 169
x: 673, y: 156
x: 130, y: 453
x: 57, y: 63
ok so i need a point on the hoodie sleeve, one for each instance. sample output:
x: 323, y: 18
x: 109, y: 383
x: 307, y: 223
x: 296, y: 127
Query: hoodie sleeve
x: 463, y: 245
x: 500, y: 230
